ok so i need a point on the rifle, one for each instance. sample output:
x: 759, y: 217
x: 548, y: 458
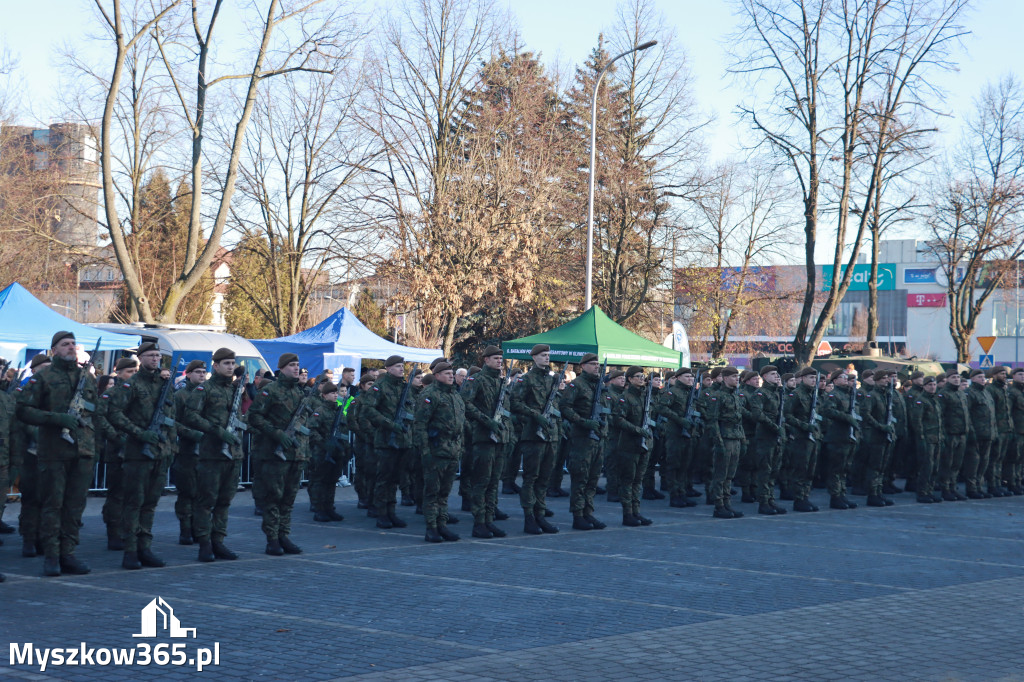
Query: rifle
x: 293, y: 427
x: 814, y: 417
x: 403, y: 415
x: 549, y: 405
x: 78, y: 403
x: 853, y: 410
x: 334, y: 441
x: 647, y: 423
x: 691, y: 413
x: 889, y: 418
x: 780, y: 422
x: 234, y: 423
x: 159, y: 418
x: 597, y: 410
x: 499, y: 407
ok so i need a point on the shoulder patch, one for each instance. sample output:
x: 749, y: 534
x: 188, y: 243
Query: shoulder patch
x: 375, y: 388
x: 714, y: 399
x: 105, y: 396
x: 199, y: 388
x: 469, y: 379
x: 426, y: 400
x: 264, y: 393
x: 126, y: 385
x: 32, y: 380
x: 316, y: 414
x: 622, y: 400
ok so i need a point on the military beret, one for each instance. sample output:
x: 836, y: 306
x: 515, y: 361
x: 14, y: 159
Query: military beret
x: 746, y: 375
x: 473, y: 370
x: 995, y: 371
x: 223, y: 354
x: 806, y: 371
x: 588, y: 357
x: 328, y: 387
x: 366, y: 379
x: 683, y: 370
x: 147, y: 347
x: 394, y: 360
x: 929, y: 380
x: 787, y: 376
x: 976, y: 372
x: 655, y: 375
x: 60, y: 336
x: 194, y: 365
x: 125, y: 363
x: 433, y: 363
x: 954, y: 373
x: 835, y: 374
x: 867, y: 374
x: 428, y: 379
x: 441, y: 367
x: 916, y: 375
x: 40, y: 359
x: 489, y: 351
x: 728, y: 372
x: 286, y: 359
x: 715, y: 371
x: 540, y: 348
x: 633, y: 371
x: 1016, y: 370
x: 615, y: 374
x: 768, y: 369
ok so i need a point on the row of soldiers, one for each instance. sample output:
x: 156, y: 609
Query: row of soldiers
x: 416, y: 433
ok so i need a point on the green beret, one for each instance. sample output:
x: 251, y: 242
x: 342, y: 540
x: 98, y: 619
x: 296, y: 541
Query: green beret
x: 125, y: 363
x: 787, y: 376
x: 489, y: 351
x: 194, y: 365
x: 40, y: 359
x: 588, y: 357
x: 441, y: 367
x: 633, y: 371
x: 805, y: 372
x: 328, y: 387
x: 975, y: 372
x: 835, y: 374
x: 728, y: 372
x: 147, y: 347
x: 767, y: 369
x: 286, y: 359
x: 929, y: 380
x: 433, y: 363
x: 715, y: 372
x: 394, y: 360
x: 682, y: 370
x: 223, y: 354
x: 615, y: 374
x: 60, y: 336
x: 540, y: 348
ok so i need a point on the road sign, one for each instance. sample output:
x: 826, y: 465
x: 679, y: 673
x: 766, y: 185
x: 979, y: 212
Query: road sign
x: 986, y: 361
x: 824, y: 349
x: 986, y: 342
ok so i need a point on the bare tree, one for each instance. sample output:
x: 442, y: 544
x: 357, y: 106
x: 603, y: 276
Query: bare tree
x: 977, y: 217
x: 823, y: 62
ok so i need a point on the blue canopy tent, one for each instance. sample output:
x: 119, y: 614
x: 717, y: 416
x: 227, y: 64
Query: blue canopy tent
x: 340, y: 340
x: 26, y: 321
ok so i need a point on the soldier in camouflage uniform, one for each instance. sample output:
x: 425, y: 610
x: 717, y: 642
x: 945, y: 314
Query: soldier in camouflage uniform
x: 679, y: 434
x: 147, y: 454
x: 328, y: 451
x: 956, y: 425
x: 657, y: 458
x: 111, y: 442
x: 208, y: 411
x: 725, y: 430
x: 392, y: 438
x: 635, y: 444
x: 983, y: 428
x: 1013, y: 465
x: 769, y: 438
x: 926, y: 423
x: 282, y: 452
x: 801, y: 449
x: 538, y: 439
x: 1003, y: 438
x: 586, y: 438
x: 841, y: 436
x: 438, y: 428
x: 878, y: 437
x: 183, y: 469
x: 489, y: 435
x: 65, y: 468
x: 616, y: 386
x: 704, y: 459
x: 362, y: 447
x: 24, y: 456
x: 746, y: 471
x: 8, y: 406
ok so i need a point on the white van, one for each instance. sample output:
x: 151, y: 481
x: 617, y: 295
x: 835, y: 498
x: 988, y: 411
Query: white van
x: 188, y: 342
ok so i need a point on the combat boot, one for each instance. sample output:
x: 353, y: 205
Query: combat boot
x: 446, y: 534
x: 891, y: 489
x: 975, y: 495
x: 222, y: 552
x: 395, y: 521
x: 481, y: 530
x: 384, y: 522
x: 321, y: 517
x: 925, y: 499
x: 875, y: 501
x: 185, y: 532
x: 545, y: 525
x: 948, y: 496
x: 432, y: 535
x: 960, y: 497
x: 71, y: 565
x: 614, y: 498
x: 803, y: 505
x: 766, y: 509
x: 677, y: 501
x: 580, y: 523
x: 131, y: 561
x: 644, y: 521
x: 408, y: 501
x: 735, y: 514
x: 652, y: 494
x: 530, y: 525
x: 849, y: 504
x: 510, y: 488
x: 936, y: 496
x: 371, y: 513
x: 288, y: 546
x: 692, y: 492
x: 206, y: 551
x: 500, y: 515
x: 597, y: 524
x: 723, y: 513
x: 28, y: 548
x: 114, y: 541
x: 548, y: 513
x: 274, y: 548
x: 778, y: 510
x: 147, y: 558
x: 334, y: 515
x: 467, y: 504
x: 837, y: 502
x: 452, y: 520
x: 495, y: 531
x: 748, y: 496
x: 630, y: 520
x: 51, y: 566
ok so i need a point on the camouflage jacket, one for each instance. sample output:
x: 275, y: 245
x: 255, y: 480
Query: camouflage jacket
x: 671, y: 410
x: 725, y: 415
x: 275, y: 405
x: 380, y: 409
x: 983, y: 418
x: 321, y: 424
x: 926, y: 417
x: 798, y: 409
x: 956, y: 415
x: 577, y: 404
x: 1016, y: 393
x: 48, y: 394
x: 207, y: 409
x: 480, y: 393
x: 765, y: 404
x: 836, y: 406
x: 440, y: 420
x: 188, y: 438
x: 131, y: 410
x: 8, y: 406
x: 1001, y: 407
x: 528, y: 400
x: 628, y: 414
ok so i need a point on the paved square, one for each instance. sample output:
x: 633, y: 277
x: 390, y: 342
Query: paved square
x: 911, y: 592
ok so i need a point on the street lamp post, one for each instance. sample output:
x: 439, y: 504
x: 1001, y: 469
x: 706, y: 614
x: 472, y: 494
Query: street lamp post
x: 593, y: 156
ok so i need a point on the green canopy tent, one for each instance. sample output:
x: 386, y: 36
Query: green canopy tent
x: 595, y: 332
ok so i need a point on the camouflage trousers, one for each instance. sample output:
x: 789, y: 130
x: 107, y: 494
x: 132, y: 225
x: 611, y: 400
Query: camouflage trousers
x: 275, y: 491
x: 837, y: 456
x: 323, y: 481
x: 485, y: 466
x: 512, y: 462
x: 800, y: 462
x: 767, y: 454
x: 585, y: 460
x: 390, y: 462
x: 927, y: 459
x: 366, y: 472
x: 655, y: 461
x: 631, y: 469
x: 113, y: 503
x: 727, y: 458
x: 994, y: 473
x: 877, y: 453
x: 951, y: 459
x: 538, y: 459
x: 144, y: 482
x: 5, y: 484
x: 676, y: 472
x: 31, y: 499
x: 216, y: 484
x: 183, y: 471
x: 438, y: 479
x: 62, y: 487
x: 1013, y: 466
x: 976, y: 463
